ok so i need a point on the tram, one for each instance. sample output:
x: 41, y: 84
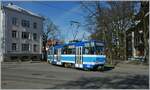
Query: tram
x: 84, y: 54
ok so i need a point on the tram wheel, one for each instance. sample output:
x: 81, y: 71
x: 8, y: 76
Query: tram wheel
x: 100, y: 68
x: 65, y: 65
x: 72, y: 66
x: 86, y: 69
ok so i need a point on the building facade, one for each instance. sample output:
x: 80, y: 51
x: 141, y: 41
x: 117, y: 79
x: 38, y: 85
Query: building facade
x: 21, y: 33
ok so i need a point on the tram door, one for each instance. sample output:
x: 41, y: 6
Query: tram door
x: 79, y: 59
x: 59, y: 56
x: 51, y: 54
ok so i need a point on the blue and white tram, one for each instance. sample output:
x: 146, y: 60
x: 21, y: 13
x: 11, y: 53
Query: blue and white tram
x: 84, y: 55
x: 54, y: 55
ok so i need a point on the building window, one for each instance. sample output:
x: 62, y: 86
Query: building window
x: 25, y: 35
x: 14, y: 34
x: 34, y: 25
x: 14, y: 46
x: 25, y: 47
x: 25, y: 23
x: 34, y: 36
x: 34, y: 47
x: 14, y: 21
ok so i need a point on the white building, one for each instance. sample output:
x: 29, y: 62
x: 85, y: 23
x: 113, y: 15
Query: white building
x: 20, y: 33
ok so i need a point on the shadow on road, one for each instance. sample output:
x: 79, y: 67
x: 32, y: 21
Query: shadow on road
x: 117, y: 82
x: 106, y: 68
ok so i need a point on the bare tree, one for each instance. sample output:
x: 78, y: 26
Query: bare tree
x: 50, y: 31
x: 110, y: 24
x: 143, y: 17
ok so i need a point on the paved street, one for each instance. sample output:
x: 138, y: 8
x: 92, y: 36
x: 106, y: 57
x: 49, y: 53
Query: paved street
x: 28, y: 75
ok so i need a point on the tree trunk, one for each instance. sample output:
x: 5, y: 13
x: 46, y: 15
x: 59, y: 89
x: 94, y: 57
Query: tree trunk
x: 44, y: 52
x: 146, y: 50
x: 125, y: 53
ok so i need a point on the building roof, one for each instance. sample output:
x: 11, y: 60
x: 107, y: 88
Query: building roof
x: 22, y: 10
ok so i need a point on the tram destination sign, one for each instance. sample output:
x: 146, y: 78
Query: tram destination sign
x: 99, y: 44
x: 72, y: 46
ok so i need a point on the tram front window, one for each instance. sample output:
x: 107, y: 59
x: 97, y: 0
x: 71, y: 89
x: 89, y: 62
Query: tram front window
x: 99, y: 50
x: 88, y: 50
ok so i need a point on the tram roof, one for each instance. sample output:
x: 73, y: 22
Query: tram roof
x: 58, y: 46
x: 81, y: 43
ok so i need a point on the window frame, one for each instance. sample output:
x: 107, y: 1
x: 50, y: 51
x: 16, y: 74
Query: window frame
x: 35, y: 48
x: 24, y: 47
x: 14, y: 34
x: 34, y: 35
x: 25, y: 23
x: 34, y: 25
x: 14, y: 47
x: 25, y: 36
x: 14, y: 20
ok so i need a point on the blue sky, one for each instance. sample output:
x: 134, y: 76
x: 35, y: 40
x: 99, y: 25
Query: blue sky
x: 61, y: 13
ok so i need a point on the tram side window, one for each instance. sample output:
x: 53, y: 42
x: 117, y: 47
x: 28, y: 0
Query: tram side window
x: 55, y: 51
x: 73, y: 51
x: 69, y: 51
x: 49, y: 52
x: 86, y: 50
x: 64, y: 51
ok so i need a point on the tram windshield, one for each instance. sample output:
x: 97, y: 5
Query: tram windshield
x: 88, y: 48
x: 99, y: 48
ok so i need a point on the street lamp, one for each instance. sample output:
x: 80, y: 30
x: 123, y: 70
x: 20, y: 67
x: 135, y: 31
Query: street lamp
x: 140, y: 36
x: 140, y: 31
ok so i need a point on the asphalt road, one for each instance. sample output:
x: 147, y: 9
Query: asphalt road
x: 28, y: 75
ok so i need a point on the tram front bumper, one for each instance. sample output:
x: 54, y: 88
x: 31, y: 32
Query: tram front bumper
x: 92, y: 66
